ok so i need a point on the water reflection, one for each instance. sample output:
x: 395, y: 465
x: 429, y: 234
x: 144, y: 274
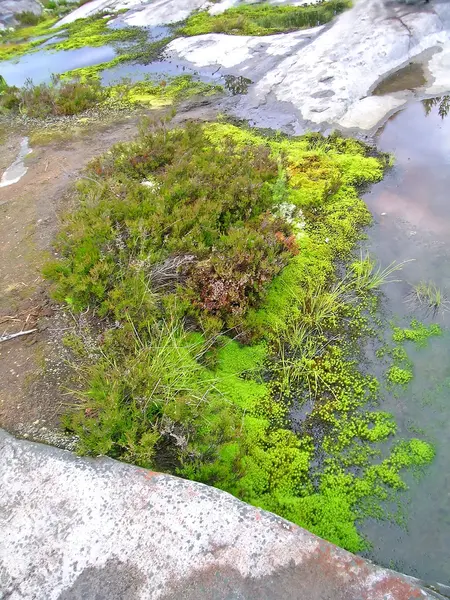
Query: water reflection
x: 410, y: 77
x: 442, y: 102
x: 39, y: 66
x: 412, y: 221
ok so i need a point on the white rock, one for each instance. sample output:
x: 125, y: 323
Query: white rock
x: 77, y: 528
x: 367, y: 113
x: 325, y: 77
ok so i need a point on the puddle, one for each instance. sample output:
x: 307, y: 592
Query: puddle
x: 159, y: 32
x: 17, y: 170
x: 40, y: 65
x: 411, y: 207
x: 159, y: 68
x: 410, y: 78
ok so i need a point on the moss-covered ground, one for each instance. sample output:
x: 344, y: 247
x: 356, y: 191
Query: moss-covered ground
x: 263, y: 18
x: 209, y: 255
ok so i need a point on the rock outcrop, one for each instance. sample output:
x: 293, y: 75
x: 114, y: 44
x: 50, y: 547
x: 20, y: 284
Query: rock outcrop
x: 321, y: 78
x: 327, y: 80
x: 10, y: 8
x: 77, y: 529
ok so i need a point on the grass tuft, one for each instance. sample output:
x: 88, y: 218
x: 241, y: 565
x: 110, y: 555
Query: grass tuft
x: 429, y: 296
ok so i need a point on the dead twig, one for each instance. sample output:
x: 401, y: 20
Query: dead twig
x: 11, y: 336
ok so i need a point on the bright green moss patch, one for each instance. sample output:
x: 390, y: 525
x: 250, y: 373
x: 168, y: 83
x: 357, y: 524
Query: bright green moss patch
x: 210, y: 252
x: 263, y: 19
x: 94, y: 32
x: 94, y: 71
x: 417, y: 333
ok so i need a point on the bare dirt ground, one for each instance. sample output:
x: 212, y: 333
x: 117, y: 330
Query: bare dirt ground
x: 34, y: 369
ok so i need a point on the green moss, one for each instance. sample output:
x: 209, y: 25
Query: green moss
x: 94, y: 71
x: 263, y: 19
x: 163, y: 92
x: 94, y: 32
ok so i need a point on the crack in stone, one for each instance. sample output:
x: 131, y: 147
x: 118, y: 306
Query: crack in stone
x: 399, y: 18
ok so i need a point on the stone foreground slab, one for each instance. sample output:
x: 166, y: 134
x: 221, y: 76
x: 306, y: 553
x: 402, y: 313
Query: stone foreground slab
x: 75, y: 528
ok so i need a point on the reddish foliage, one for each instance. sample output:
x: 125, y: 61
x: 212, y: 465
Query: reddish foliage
x: 289, y: 242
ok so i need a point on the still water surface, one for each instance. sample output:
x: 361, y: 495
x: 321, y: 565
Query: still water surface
x: 39, y: 66
x: 411, y: 209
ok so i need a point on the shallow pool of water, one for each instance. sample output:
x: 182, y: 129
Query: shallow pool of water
x: 407, y: 78
x: 40, y: 65
x: 411, y: 208
x: 158, y: 69
x: 17, y: 169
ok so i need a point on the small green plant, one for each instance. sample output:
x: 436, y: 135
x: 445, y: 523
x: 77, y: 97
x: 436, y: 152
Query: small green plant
x: 367, y: 276
x: 28, y: 18
x: 429, y: 296
x: 399, y: 376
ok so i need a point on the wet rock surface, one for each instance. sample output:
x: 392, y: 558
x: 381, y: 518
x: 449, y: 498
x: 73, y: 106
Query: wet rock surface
x: 76, y: 528
x: 324, y: 78
x: 320, y: 78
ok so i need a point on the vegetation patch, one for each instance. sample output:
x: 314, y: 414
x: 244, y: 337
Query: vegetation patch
x: 131, y: 43
x: 63, y: 97
x: 209, y: 256
x: 397, y: 375
x: 429, y: 296
x: 419, y: 333
x: 55, y: 99
x: 263, y: 19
